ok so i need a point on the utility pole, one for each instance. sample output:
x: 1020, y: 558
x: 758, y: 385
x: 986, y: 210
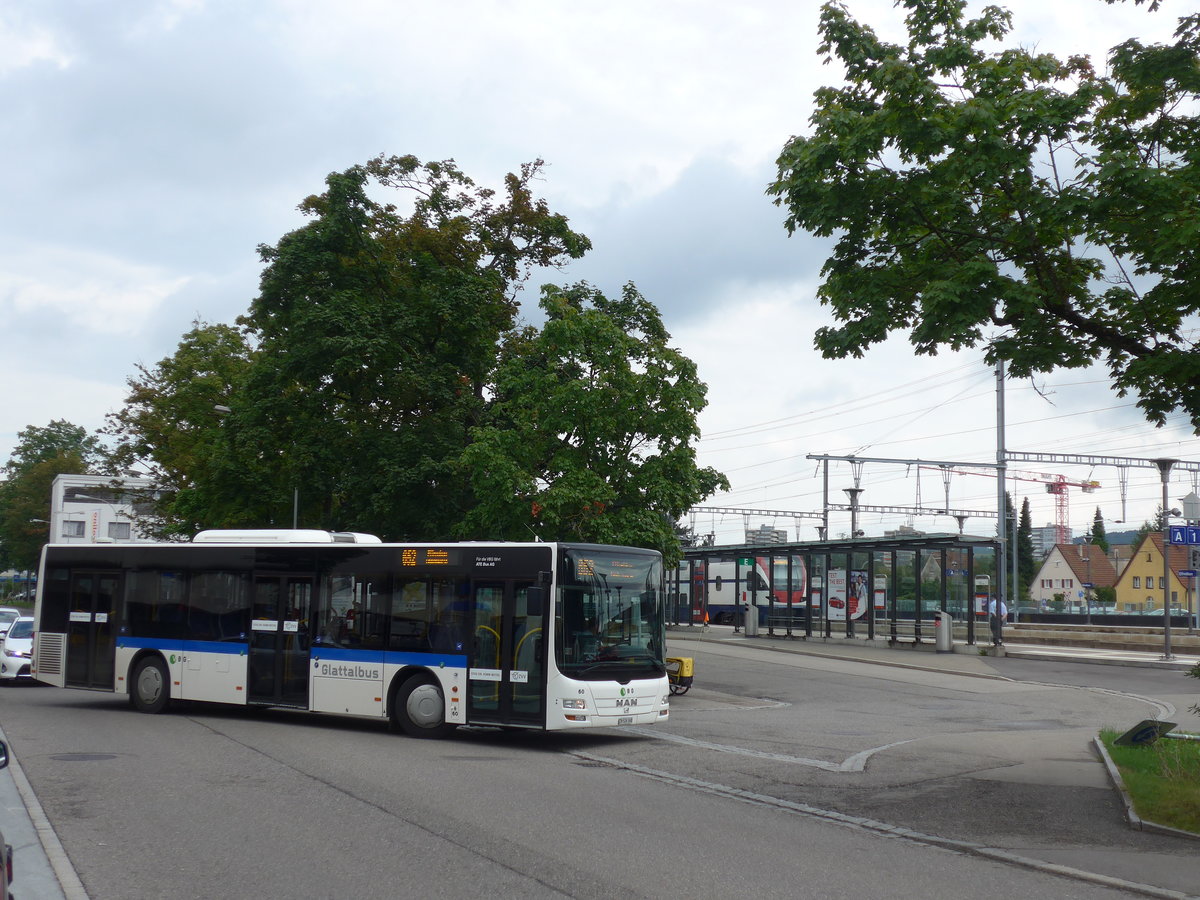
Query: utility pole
x: 1164, y: 469
x: 1001, y: 484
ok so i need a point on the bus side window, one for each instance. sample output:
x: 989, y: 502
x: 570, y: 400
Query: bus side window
x: 410, y: 616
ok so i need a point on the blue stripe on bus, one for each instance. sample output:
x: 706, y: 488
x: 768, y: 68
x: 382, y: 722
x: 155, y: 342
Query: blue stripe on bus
x: 391, y: 657
x: 339, y: 654
x: 170, y: 645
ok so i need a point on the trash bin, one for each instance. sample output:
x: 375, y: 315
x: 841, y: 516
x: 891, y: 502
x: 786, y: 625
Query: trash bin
x: 751, y: 620
x: 944, y: 632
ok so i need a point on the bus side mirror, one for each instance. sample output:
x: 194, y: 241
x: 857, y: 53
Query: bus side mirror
x: 3, y: 754
x: 535, y: 601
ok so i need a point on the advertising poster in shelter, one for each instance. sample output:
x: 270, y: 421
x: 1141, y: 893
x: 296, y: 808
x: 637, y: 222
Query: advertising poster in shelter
x: 847, y: 595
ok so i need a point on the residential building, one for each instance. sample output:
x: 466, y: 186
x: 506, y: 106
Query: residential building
x: 1044, y: 539
x: 1140, y: 587
x: 765, y: 534
x: 1066, y: 571
x: 91, y: 509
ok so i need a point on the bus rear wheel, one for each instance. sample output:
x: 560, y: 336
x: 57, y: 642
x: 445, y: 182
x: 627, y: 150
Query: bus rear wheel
x: 150, y: 688
x: 419, y: 709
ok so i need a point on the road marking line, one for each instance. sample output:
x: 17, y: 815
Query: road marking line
x: 855, y: 763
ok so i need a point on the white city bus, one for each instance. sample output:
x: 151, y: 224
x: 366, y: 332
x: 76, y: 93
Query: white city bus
x: 431, y: 636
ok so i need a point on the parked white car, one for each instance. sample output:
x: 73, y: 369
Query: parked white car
x: 16, y: 652
x: 8, y: 615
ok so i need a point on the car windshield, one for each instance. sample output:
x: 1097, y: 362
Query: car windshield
x: 22, y: 629
x: 609, y: 619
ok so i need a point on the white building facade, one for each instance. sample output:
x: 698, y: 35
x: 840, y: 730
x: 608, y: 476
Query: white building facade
x: 94, y: 509
x: 1045, y: 538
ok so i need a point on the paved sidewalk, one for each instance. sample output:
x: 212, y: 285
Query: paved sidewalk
x: 41, y: 868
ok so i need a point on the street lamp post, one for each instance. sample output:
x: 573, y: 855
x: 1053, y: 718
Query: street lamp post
x: 1087, y: 588
x: 853, y: 494
x: 1164, y: 470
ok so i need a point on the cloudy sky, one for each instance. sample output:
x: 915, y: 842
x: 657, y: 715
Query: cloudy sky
x: 150, y: 147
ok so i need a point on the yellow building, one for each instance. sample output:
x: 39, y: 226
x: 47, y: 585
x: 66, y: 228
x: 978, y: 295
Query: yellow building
x: 1140, y: 585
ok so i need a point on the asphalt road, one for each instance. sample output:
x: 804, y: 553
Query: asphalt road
x: 777, y: 776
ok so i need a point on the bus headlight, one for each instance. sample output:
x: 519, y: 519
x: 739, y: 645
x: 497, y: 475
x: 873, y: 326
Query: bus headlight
x: 574, y: 704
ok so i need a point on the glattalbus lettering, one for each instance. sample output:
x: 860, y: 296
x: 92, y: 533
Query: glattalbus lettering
x: 341, y: 670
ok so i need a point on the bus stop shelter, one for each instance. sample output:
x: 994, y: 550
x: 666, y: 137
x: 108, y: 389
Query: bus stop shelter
x: 887, y: 587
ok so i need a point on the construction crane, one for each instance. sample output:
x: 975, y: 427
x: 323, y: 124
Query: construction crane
x: 1055, y: 484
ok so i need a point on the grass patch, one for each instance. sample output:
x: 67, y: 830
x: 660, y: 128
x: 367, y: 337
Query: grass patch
x: 1163, y: 779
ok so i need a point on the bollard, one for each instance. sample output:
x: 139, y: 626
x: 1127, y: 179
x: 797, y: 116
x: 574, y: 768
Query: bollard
x: 944, y: 633
x: 751, y: 621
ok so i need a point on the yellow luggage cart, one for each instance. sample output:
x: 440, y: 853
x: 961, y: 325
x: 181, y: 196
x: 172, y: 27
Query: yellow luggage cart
x: 679, y: 673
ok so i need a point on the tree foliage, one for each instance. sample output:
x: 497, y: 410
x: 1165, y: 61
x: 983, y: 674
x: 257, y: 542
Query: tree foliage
x: 40, y: 454
x: 376, y: 334
x: 1099, y: 536
x: 1026, y: 562
x: 1150, y: 526
x: 590, y: 435
x: 59, y: 438
x: 1036, y: 206
x: 380, y: 376
x: 172, y: 429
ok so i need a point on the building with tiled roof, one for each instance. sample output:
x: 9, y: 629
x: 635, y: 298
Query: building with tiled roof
x: 1065, y: 572
x: 1140, y: 586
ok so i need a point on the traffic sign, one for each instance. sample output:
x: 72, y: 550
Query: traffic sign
x: 1184, y: 534
x: 1187, y: 573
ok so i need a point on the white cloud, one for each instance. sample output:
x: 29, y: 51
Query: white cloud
x: 84, y: 290
x: 23, y: 45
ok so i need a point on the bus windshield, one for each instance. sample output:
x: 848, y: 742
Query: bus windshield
x: 610, y: 621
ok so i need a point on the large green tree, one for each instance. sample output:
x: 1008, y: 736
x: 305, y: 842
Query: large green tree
x: 171, y: 429
x: 1026, y: 563
x: 380, y: 378
x: 377, y: 331
x: 37, y: 444
x: 1099, y: 536
x: 590, y: 434
x: 41, y: 453
x: 1041, y: 207
x: 345, y: 399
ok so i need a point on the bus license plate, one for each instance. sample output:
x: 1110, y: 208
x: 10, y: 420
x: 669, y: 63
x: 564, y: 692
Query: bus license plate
x: 625, y: 720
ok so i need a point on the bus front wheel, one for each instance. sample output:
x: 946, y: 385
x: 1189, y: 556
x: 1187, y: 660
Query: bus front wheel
x: 150, y: 688
x: 419, y: 709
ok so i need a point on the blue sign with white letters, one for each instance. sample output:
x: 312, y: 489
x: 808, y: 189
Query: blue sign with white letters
x: 1184, y: 534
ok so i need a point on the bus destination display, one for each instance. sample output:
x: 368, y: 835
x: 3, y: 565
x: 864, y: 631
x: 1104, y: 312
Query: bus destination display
x: 424, y: 556
x: 586, y: 568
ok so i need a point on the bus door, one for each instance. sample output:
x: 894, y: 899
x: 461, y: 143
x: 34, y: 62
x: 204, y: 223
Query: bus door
x: 91, y: 643
x: 507, y: 672
x: 280, y: 639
